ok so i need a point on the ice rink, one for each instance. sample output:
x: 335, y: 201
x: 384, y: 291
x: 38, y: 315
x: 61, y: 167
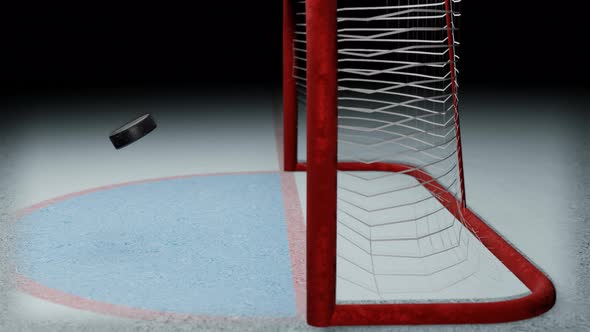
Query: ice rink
x: 195, y: 226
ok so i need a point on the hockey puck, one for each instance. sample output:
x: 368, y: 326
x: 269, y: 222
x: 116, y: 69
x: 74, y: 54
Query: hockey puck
x: 132, y: 131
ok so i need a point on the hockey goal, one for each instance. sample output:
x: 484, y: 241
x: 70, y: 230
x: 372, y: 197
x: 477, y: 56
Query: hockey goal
x: 370, y: 87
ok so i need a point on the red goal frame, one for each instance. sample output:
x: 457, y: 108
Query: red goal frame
x: 321, y: 166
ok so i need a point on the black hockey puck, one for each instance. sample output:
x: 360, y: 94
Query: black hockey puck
x: 132, y: 131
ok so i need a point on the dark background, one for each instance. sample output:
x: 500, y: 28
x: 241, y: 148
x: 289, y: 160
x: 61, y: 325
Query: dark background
x: 69, y: 47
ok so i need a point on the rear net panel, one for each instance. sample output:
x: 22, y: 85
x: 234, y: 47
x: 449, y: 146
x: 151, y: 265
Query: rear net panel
x: 396, y: 241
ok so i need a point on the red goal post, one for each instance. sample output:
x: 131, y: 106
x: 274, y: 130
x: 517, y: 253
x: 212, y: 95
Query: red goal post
x: 322, y: 165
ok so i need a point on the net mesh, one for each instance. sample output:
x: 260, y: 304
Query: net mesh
x: 396, y: 71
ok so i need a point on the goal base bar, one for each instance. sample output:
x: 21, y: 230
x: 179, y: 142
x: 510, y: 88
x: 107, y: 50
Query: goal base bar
x: 542, y: 292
